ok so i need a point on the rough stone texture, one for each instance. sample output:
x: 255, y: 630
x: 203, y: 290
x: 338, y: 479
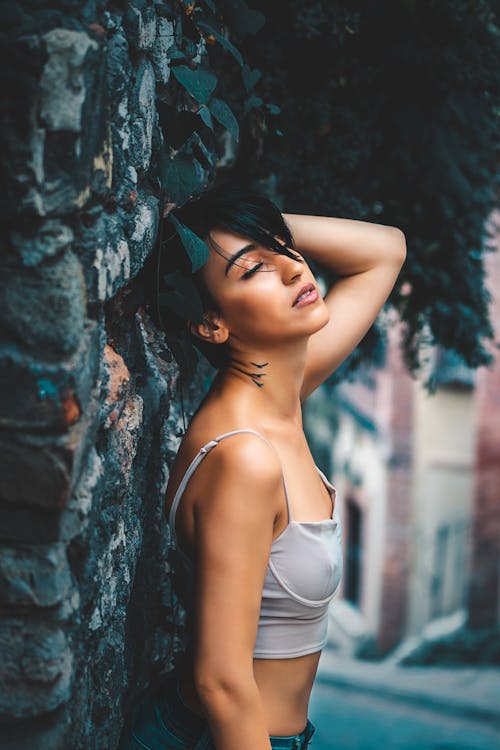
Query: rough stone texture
x: 47, y: 396
x: 36, y: 575
x: 62, y: 83
x: 484, y: 591
x: 44, y: 307
x: 89, y: 419
x: 159, y: 53
x: 142, y: 117
x: 36, y: 668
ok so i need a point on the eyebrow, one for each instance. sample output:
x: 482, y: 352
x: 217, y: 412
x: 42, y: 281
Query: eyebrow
x: 238, y: 254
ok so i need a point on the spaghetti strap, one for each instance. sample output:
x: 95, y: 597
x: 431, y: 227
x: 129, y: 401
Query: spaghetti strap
x: 197, y: 460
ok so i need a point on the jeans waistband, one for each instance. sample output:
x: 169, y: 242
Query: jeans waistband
x: 294, y: 741
x: 173, y: 708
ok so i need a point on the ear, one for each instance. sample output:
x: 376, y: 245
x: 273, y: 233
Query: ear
x: 213, y: 330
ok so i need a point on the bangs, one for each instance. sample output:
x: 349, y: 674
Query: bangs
x: 241, y: 211
x: 277, y: 248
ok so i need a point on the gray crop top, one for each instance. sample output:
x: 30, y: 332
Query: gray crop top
x: 302, y: 576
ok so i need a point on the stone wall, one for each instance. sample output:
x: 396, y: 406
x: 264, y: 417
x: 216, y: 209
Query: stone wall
x: 89, y: 418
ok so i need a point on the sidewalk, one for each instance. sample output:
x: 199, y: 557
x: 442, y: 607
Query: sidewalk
x: 468, y: 691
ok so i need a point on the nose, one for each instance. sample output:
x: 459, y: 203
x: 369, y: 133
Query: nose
x: 291, y: 269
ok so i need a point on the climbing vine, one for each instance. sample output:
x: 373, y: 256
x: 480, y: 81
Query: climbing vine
x: 212, y: 89
x: 385, y: 111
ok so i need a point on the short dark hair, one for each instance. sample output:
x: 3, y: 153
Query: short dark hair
x: 238, y: 209
x: 241, y: 210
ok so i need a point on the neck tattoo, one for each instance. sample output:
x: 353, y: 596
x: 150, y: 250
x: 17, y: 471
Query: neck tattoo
x: 254, y: 376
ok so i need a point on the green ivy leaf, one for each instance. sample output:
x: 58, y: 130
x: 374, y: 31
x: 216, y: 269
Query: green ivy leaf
x: 180, y: 177
x: 250, y: 77
x: 211, y: 5
x: 240, y: 18
x: 174, y: 53
x: 210, y: 29
x: 180, y: 295
x: 199, y: 83
x: 205, y: 115
x: 252, y: 103
x: 196, y: 249
x: 223, y: 114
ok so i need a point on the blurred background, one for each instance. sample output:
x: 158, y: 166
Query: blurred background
x: 116, y: 111
x: 414, y: 637
x: 380, y: 120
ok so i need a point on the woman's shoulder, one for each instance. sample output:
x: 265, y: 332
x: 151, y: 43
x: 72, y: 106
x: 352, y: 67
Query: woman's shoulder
x: 240, y: 459
x: 237, y: 440
x: 238, y: 437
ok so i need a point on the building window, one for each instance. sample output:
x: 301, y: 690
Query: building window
x: 441, y: 544
x: 451, y: 560
x: 353, y: 553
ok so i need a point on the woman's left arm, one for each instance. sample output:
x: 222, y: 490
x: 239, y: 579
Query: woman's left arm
x: 367, y: 258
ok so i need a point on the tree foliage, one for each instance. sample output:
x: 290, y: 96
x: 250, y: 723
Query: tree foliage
x: 390, y: 113
x: 385, y: 111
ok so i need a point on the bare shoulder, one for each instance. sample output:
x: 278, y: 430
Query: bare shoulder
x: 244, y: 456
x: 239, y: 495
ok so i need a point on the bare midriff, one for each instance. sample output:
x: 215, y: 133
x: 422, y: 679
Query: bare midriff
x: 284, y: 684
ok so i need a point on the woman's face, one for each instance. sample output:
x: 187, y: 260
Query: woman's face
x: 258, y: 307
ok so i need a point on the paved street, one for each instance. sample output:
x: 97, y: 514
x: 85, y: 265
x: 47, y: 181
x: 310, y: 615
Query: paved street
x: 347, y: 720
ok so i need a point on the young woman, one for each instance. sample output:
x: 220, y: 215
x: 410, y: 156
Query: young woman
x: 254, y: 522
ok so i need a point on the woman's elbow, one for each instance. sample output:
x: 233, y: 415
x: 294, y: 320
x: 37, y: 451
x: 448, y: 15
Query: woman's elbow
x: 401, y: 242
x: 397, y: 247
x: 214, y: 686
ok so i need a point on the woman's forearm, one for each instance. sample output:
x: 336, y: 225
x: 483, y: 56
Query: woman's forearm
x: 236, y: 718
x: 347, y: 246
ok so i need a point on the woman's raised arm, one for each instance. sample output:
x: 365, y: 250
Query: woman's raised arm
x: 367, y: 257
x: 234, y: 528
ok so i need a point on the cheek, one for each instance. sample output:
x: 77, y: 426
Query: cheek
x: 259, y: 301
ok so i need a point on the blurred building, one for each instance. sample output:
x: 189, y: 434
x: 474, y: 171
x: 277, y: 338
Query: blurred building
x: 418, y: 477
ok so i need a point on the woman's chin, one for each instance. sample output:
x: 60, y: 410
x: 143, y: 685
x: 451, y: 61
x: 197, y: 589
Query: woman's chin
x: 320, y: 320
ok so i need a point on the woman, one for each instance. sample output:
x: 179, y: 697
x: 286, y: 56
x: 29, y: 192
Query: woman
x: 254, y: 523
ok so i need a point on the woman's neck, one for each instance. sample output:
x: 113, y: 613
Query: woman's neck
x: 267, y: 383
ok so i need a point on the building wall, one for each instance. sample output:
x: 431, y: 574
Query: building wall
x: 443, y: 462
x: 361, y: 479
x: 395, y: 415
x: 372, y: 469
x: 406, y: 459
x: 425, y: 471
x: 484, y: 598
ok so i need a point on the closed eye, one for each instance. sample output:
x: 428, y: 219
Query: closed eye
x: 251, y: 271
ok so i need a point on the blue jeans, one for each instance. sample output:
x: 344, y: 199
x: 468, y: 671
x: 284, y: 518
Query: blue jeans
x: 163, y: 721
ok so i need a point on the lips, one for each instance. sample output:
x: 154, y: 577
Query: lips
x: 305, y: 288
